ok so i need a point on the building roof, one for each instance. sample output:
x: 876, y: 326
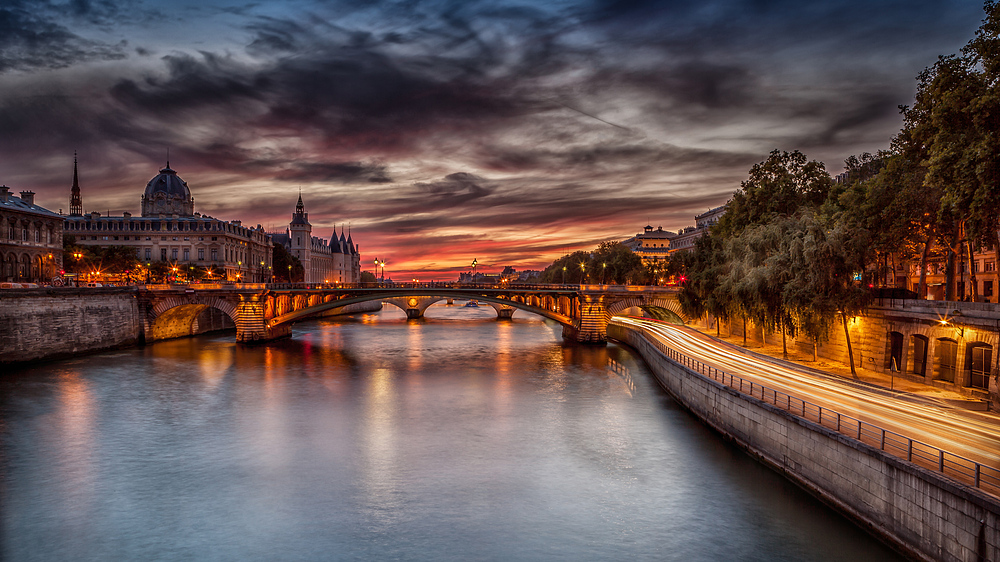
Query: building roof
x: 16, y: 203
x: 169, y: 183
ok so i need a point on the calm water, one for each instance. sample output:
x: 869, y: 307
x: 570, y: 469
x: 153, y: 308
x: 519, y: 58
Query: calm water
x: 455, y: 438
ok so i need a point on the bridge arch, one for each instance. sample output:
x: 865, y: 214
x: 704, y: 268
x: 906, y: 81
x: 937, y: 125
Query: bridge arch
x: 180, y: 316
x: 403, y: 295
x: 670, y: 306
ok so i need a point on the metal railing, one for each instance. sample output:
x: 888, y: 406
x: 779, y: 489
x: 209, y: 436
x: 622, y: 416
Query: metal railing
x: 964, y: 470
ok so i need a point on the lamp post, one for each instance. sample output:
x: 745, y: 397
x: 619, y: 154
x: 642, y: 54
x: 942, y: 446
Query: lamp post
x: 475, y: 262
x: 583, y: 273
x: 604, y: 272
x: 564, y: 275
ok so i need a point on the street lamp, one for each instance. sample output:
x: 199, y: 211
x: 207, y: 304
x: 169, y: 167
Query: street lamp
x: 583, y: 272
x: 564, y: 275
x: 604, y: 272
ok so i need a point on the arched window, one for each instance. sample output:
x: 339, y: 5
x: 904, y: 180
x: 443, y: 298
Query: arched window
x: 894, y: 351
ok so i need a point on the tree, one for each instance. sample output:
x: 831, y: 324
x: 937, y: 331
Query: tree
x: 954, y: 121
x: 778, y: 186
x: 287, y: 268
x: 703, y: 267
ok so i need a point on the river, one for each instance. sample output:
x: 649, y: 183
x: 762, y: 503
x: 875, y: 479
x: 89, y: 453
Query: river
x: 457, y: 437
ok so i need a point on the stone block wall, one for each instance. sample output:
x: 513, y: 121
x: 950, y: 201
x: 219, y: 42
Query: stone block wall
x: 870, y: 339
x: 50, y: 323
x: 923, y: 514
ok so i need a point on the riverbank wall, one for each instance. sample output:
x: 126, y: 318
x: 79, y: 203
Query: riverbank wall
x: 947, y: 344
x: 46, y: 324
x: 43, y: 324
x: 921, y: 513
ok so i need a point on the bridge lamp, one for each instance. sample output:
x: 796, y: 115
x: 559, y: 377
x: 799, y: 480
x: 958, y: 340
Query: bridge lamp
x: 564, y: 275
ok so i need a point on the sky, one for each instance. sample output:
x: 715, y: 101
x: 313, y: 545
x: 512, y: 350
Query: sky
x: 439, y: 132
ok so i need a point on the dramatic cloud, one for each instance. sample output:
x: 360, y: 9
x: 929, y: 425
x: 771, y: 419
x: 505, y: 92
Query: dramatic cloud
x: 442, y: 131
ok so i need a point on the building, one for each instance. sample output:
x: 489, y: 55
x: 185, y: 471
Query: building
x: 336, y: 261
x: 651, y: 245
x: 30, y: 239
x: 169, y: 230
x: 655, y: 246
x: 686, y: 238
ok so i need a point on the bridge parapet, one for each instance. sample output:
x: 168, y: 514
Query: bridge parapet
x: 265, y: 312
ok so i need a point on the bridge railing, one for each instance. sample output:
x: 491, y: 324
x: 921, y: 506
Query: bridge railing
x: 473, y: 286
x: 922, y: 454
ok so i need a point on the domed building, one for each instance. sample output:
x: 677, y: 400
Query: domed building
x: 169, y: 230
x: 167, y: 194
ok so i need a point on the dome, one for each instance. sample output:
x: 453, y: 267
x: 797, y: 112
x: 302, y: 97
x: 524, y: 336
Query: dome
x: 167, y: 194
x: 169, y: 183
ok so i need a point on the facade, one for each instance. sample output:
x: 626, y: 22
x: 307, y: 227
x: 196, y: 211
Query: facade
x: 169, y: 230
x: 30, y: 239
x: 336, y: 261
x: 906, y: 274
x: 686, y: 238
x: 651, y: 245
x: 656, y: 245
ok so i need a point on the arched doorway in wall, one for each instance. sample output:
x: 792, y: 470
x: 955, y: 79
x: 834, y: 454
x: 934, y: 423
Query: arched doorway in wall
x: 947, y: 359
x: 979, y: 363
x: 894, y: 351
x: 919, y: 363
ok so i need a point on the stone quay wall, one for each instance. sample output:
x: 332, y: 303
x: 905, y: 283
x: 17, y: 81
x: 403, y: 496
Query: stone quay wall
x: 925, y: 515
x: 934, y: 343
x: 51, y: 323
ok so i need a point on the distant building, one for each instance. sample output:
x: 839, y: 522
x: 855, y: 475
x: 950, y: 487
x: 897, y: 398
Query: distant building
x: 336, y: 261
x: 30, y: 239
x: 651, y: 245
x: 656, y: 245
x: 686, y: 238
x: 170, y: 231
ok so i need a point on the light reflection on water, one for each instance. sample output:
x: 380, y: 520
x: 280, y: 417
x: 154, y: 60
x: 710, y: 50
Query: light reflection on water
x: 457, y: 437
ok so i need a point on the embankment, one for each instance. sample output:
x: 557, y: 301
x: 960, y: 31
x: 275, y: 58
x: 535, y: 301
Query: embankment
x: 922, y: 513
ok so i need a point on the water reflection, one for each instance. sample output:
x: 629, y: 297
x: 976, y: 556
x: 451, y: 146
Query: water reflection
x: 457, y: 437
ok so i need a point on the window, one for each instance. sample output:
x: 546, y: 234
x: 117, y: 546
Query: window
x: 138, y: 253
x: 149, y: 253
x: 148, y: 238
x: 187, y: 254
x: 201, y: 254
x: 987, y: 288
x: 215, y: 254
x: 989, y: 265
x: 214, y: 238
x: 38, y: 236
x: 201, y: 238
x: 173, y: 254
x: 163, y: 254
x: 24, y: 234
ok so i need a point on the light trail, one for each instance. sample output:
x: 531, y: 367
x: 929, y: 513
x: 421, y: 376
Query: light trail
x: 974, y: 436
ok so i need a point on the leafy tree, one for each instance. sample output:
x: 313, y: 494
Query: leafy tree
x: 287, y: 268
x: 368, y: 277
x: 778, y: 186
x: 703, y: 268
x: 613, y: 263
x: 954, y: 122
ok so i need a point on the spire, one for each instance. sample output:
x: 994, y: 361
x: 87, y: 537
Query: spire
x: 75, y: 200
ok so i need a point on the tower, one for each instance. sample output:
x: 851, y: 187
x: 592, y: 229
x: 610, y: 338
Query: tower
x: 75, y: 201
x: 300, y: 238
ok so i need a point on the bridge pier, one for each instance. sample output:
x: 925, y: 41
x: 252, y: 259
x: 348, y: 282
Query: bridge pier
x: 251, y: 327
x: 592, y: 325
x: 504, y: 312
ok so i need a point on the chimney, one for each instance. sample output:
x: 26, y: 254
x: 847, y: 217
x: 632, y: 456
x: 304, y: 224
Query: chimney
x: 4, y: 193
x: 28, y: 197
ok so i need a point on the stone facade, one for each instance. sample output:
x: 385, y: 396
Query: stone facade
x: 336, y: 261
x: 30, y: 239
x: 950, y: 345
x: 170, y: 231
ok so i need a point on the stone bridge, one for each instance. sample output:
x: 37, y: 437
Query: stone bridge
x: 263, y: 312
